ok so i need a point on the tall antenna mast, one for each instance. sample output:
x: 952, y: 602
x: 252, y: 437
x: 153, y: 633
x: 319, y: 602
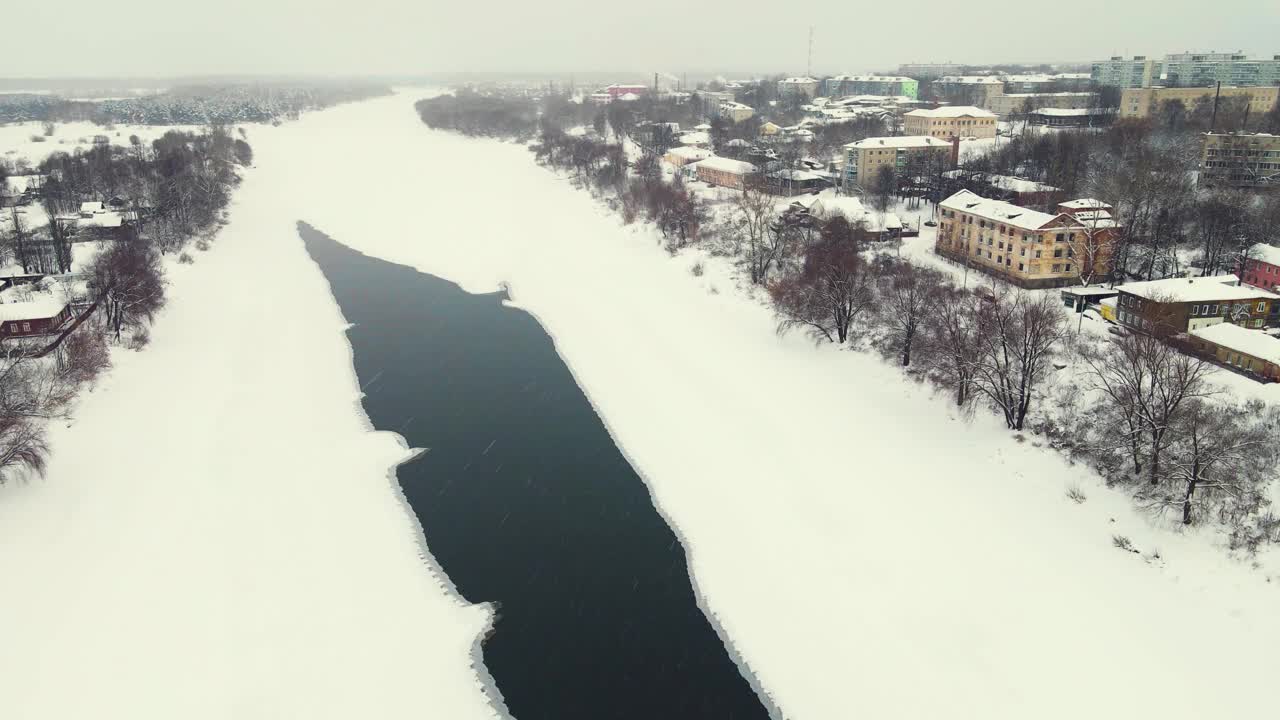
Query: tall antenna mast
x: 808, y: 68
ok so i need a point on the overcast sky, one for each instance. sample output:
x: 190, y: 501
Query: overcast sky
x: 175, y: 37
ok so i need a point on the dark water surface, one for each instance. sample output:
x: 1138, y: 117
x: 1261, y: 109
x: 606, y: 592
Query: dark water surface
x: 526, y: 501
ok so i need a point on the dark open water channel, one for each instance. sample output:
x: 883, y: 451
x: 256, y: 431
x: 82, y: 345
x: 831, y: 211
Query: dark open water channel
x: 526, y: 501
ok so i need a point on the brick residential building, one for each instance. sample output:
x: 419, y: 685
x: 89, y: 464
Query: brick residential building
x: 1178, y: 305
x: 1026, y: 247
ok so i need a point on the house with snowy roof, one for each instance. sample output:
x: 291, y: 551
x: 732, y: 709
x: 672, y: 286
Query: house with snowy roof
x: 1026, y: 247
x: 793, y: 87
x: 1251, y: 351
x: 33, y: 317
x: 725, y: 172
x: 1259, y: 267
x: 875, y: 225
x: 864, y: 158
x: 1178, y: 305
x: 951, y: 121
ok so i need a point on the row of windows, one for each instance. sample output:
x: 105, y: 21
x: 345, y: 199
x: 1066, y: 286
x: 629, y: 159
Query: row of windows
x: 26, y: 327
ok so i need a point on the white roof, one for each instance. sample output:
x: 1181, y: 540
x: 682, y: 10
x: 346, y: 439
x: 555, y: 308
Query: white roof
x: 953, y: 111
x: 1006, y: 182
x: 1050, y: 94
x: 693, y: 153
x: 1250, y: 342
x: 1038, y: 77
x: 1265, y: 253
x: 798, y: 80
x: 95, y: 206
x: 970, y: 202
x: 18, y: 184
x: 1214, y: 288
x: 874, y: 78
x: 899, y: 141
x: 695, y: 138
x: 725, y: 164
x: 31, y: 310
x: 104, y: 219
x: 795, y: 175
x: 1083, y: 203
x: 735, y: 106
x: 1070, y: 112
x: 972, y: 79
x: 829, y: 204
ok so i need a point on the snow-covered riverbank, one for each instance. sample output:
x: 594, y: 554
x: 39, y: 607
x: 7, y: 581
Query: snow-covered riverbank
x: 216, y: 536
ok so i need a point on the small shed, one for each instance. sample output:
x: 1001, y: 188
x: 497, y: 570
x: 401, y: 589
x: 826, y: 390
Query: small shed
x: 1079, y: 298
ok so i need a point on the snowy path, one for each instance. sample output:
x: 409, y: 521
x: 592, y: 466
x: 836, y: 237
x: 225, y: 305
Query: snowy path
x: 217, y: 536
x: 216, y: 531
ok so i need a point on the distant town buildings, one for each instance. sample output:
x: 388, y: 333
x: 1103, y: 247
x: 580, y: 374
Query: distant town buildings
x: 1205, y: 69
x: 863, y: 159
x: 1144, y: 102
x: 1018, y: 103
x: 1025, y: 247
x: 968, y: 89
x: 1240, y: 159
x: 1136, y: 72
x: 930, y: 70
x: 888, y: 85
x: 735, y: 111
x: 797, y: 87
x: 951, y: 121
x: 1188, y: 69
x: 1079, y: 117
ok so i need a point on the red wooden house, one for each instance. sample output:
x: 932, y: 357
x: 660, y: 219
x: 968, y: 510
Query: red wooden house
x: 40, y: 317
x: 1260, y: 267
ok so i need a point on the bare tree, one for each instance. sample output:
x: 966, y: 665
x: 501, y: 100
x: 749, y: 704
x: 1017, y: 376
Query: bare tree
x: 754, y: 216
x: 1223, y: 458
x: 832, y: 289
x: 1146, y: 385
x: 909, y: 296
x: 1018, y: 334
x: 127, y: 279
x: 955, y: 337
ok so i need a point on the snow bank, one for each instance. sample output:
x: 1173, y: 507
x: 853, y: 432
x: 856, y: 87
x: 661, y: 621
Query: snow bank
x: 217, y: 536
x: 868, y: 553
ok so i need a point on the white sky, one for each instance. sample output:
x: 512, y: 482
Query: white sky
x: 351, y: 37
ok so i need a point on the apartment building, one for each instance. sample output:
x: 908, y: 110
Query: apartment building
x: 793, y: 87
x: 735, y: 111
x: 968, y: 89
x: 1016, y: 103
x: 951, y: 121
x: 724, y: 172
x: 1144, y: 102
x: 930, y: 70
x: 1240, y: 160
x: 1260, y: 267
x: 1177, y: 305
x: 1026, y: 247
x: 1205, y: 69
x: 887, y: 85
x: 1137, y: 72
x: 863, y: 159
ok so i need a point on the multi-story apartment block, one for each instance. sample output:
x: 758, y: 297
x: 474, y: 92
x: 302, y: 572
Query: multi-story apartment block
x: 888, y: 85
x: 1138, y: 72
x: 1025, y: 247
x: 735, y: 111
x: 951, y: 121
x: 930, y: 70
x: 1176, y: 305
x: 1240, y: 159
x: 1014, y: 103
x: 968, y: 89
x: 1205, y: 69
x: 863, y: 159
x: 1144, y: 102
x: 793, y: 87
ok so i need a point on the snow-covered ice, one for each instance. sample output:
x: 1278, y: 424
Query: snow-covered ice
x: 215, y: 535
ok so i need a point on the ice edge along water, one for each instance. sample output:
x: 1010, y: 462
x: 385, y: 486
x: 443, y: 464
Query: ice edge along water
x: 488, y: 685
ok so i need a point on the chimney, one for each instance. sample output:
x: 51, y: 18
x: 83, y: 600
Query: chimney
x: 955, y: 151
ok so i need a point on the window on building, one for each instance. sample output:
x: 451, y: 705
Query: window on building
x: 1067, y: 268
x: 1057, y: 253
x: 13, y: 327
x: 1262, y: 306
x: 1038, y: 252
x: 1195, y: 310
x: 1057, y: 267
x: 1019, y: 267
x: 26, y: 327
x: 1257, y: 323
x: 1060, y: 237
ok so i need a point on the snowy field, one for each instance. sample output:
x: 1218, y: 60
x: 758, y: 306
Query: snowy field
x: 17, y: 143
x: 217, y: 538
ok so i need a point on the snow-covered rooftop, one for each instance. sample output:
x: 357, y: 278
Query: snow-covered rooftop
x: 898, y: 141
x: 1250, y: 342
x: 1266, y: 253
x: 971, y: 79
x: 40, y: 309
x: 1007, y: 182
x: 798, y: 80
x: 795, y: 175
x: 93, y: 207
x: 953, y: 111
x: 973, y: 203
x: 1049, y: 94
x: 874, y: 78
x: 1083, y: 203
x: 828, y: 204
x: 730, y: 165
x: 1214, y: 288
x: 691, y: 153
x: 1070, y: 112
